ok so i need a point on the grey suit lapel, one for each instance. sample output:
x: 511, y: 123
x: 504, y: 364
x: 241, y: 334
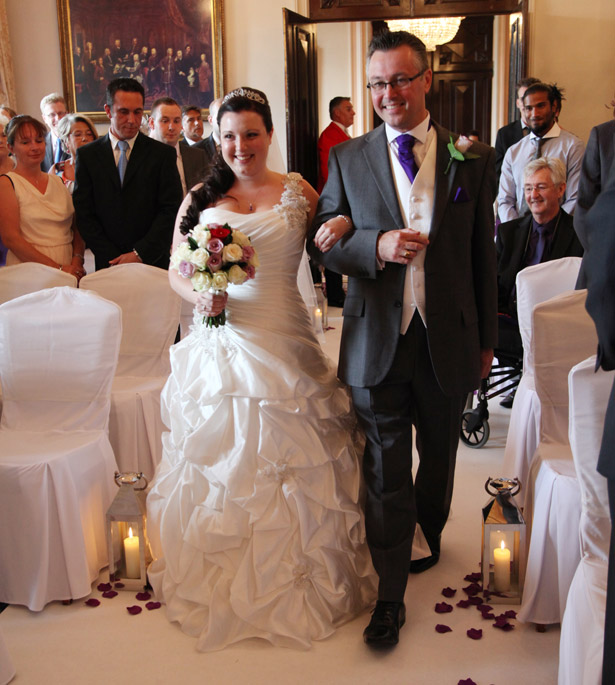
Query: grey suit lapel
x: 376, y: 156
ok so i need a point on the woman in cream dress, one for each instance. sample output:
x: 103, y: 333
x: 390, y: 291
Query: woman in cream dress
x: 36, y: 210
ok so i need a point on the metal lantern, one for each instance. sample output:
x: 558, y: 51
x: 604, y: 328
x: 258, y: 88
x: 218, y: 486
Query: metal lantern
x: 129, y: 553
x: 321, y: 311
x: 504, y: 529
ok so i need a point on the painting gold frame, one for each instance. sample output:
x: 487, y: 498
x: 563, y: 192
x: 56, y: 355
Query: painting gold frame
x: 94, y: 40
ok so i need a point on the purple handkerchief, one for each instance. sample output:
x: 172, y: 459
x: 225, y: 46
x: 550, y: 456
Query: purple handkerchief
x: 461, y: 195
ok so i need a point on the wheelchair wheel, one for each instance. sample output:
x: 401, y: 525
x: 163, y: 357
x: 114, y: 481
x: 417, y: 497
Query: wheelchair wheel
x: 474, y: 430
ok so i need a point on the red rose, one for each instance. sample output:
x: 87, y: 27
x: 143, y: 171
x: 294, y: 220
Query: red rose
x: 220, y: 233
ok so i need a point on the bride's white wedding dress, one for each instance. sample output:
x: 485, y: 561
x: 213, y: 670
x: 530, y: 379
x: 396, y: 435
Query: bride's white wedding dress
x: 253, y: 514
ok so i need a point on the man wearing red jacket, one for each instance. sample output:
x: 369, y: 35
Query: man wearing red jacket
x: 341, y: 112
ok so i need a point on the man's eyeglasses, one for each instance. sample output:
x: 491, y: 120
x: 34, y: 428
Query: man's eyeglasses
x: 398, y: 83
x: 540, y: 187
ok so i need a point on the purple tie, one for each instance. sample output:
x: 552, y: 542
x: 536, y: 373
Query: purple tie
x: 405, y: 143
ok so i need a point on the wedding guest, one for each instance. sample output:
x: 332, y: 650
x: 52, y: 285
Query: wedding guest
x: 127, y: 189
x: 6, y: 165
x: 53, y: 109
x: 74, y: 131
x: 37, y: 219
x: 7, y: 111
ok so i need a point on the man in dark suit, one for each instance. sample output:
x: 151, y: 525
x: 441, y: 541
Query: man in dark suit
x: 512, y: 133
x: 165, y: 123
x: 597, y: 162
x: 599, y: 261
x: 192, y: 125
x: 212, y: 142
x: 127, y: 189
x: 53, y: 109
x: 518, y: 242
x: 420, y: 317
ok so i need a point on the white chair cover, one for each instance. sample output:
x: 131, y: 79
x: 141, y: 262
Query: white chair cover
x: 582, y: 638
x: 564, y: 334
x: 58, y: 353
x: 21, y: 279
x: 534, y: 284
x: 7, y: 670
x: 150, y: 318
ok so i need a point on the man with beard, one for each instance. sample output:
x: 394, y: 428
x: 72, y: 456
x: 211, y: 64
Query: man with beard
x: 546, y: 139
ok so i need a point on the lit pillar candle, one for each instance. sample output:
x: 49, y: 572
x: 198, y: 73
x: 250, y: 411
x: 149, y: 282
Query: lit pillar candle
x: 501, y: 568
x: 131, y: 555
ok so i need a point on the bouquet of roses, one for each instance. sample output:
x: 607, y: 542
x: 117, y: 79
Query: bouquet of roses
x: 212, y: 256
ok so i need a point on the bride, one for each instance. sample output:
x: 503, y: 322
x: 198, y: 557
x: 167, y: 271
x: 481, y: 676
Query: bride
x: 253, y: 514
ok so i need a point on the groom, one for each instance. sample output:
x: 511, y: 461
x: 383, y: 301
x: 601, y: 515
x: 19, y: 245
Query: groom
x: 420, y: 314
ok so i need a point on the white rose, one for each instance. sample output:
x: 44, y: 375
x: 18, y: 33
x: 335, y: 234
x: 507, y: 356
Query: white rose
x: 240, y: 238
x: 199, y: 258
x: 201, y: 281
x: 254, y: 261
x: 183, y: 252
x: 232, y: 253
x: 201, y: 235
x: 236, y: 275
x: 219, y: 281
x: 175, y: 261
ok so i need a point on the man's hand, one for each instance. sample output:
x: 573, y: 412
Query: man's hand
x: 126, y: 258
x: 400, y: 246
x: 486, y: 359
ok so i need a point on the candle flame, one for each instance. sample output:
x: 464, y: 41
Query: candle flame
x: 502, y: 545
x: 130, y: 534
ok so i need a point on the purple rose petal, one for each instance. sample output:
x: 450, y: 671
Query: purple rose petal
x: 109, y: 594
x: 484, y: 607
x: 501, y: 620
x: 473, y: 577
x: 488, y: 615
x: 441, y: 628
x: 511, y: 613
x: 449, y: 592
x: 134, y: 610
x: 474, y: 633
x: 467, y: 681
x: 504, y: 626
x: 152, y: 605
x: 103, y: 587
x: 472, y: 589
x: 443, y: 608
x: 463, y: 603
x: 92, y: 602
x: 475, y: 601
x: 118, y: 586
x: 143, y: 596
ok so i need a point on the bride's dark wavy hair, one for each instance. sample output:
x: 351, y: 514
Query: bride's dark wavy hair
x: 220, y: 176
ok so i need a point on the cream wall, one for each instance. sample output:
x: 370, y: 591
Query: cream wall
x: 570, y: 43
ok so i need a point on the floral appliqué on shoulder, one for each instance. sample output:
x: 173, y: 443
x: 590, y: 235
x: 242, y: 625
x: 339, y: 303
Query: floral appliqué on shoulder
x: 293, y: 205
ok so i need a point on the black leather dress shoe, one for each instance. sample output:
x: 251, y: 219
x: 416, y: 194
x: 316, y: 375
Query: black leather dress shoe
x: 423, y: 564
x: 383, y: 629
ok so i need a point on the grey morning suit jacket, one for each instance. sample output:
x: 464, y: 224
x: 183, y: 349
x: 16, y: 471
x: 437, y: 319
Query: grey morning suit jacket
x: 460, y: 263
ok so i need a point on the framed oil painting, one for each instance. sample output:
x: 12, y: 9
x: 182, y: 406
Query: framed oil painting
x: 172, y: 47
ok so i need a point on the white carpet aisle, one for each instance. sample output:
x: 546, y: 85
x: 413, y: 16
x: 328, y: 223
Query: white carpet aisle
x: 78, y: 644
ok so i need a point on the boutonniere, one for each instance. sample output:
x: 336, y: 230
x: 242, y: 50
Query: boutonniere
x: 459, y: 151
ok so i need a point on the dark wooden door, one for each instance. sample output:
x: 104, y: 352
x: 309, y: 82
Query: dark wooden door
x: 460, y: 96
x: 301, y: 96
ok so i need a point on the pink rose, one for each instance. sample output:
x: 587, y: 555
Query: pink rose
x: 250, y: 270
x: 186, y: 269
x: 214, y: 262
x: 463, y: 144
x: 215, y: 245
x: 248, y: 252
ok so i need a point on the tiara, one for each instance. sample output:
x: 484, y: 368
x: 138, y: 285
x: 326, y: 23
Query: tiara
x: 245, y: 93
